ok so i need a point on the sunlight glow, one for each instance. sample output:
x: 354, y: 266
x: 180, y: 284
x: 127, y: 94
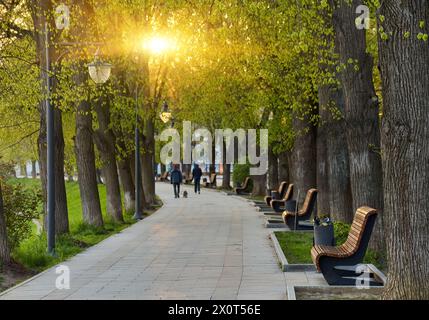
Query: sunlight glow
x: 158, y: 45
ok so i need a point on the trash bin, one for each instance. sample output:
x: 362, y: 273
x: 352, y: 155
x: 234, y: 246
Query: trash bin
x: 275, y: 195
x: 324, y: 235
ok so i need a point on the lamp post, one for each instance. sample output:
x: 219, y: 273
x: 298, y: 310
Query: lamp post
x: 165, y: 114
x: 138, y: 168
x: 99, y: 73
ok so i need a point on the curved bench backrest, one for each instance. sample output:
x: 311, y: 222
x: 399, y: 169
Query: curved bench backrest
x: 360, y: 231
x: 282, y: 189
x: 289, y: 193
x: 309, y: 203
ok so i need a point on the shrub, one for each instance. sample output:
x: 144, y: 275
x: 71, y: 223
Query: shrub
x: 21, y: 206
x: 241, y: 171
x: 341, y: 232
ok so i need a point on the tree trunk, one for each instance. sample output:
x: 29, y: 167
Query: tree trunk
x: 86, y: 170
x: 361, y: 114
x: 259, y: 185
x: 127, y: 184
x: 33, y: 169
x: 323, y: 207
x: 283, y: 167
x: 4, y: 243
x: 105, y: 141
x: 405, y: 136
x: 147, y: 158
x: 340, y: 193
x: 213, y: 162
x: 226, y: 180
x: 302, y: 162
x: 144, y: 203
x: 39, y: 10
x: 333, y: 180
x: 273, y: 170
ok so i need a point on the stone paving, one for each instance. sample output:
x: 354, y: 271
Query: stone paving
x: 209, y: 246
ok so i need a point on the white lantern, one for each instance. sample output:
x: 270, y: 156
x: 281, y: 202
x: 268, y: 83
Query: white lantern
x: 165, y: 114
x: 99, y: 71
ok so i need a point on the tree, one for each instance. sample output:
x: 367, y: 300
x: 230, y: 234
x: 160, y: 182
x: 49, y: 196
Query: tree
x: 106, y: 144
x: 4, y: 243
x: 84, y: 144
x: 404, y: 56
x: 361, y: 112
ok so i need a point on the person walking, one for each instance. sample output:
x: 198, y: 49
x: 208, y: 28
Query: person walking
x: 176, y: 180
x: 197, y: 174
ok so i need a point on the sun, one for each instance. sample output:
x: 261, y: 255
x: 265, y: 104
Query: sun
x: 158, y: 45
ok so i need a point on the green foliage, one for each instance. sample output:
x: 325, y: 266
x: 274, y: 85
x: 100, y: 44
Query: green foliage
x: 341, y: 230
x: 241, y: 171
x: 31, y: 252
x: 21, y: 206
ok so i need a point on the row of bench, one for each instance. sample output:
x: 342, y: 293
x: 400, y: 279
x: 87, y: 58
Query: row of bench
x: 337, y: 263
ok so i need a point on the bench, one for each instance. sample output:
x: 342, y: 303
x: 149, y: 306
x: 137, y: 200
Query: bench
x: 277, y: 205
x: 164, y: 176
x: 339, y: 264
x: 212, y: 182
x: 281, y: 192
x: 292, y: 220
x: 244, y: 186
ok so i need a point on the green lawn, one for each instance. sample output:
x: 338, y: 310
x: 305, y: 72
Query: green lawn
x: 32, y: 252
x: 297, y: 246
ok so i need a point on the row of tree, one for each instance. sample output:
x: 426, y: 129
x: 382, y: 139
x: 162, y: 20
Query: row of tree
x: 345, y: 106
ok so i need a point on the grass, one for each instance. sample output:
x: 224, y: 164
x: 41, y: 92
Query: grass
x: 32, y: 252
x: 296, y: 247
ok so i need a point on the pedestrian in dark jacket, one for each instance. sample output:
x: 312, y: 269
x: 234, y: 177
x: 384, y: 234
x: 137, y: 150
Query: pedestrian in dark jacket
x: 197, y: 174
x: 176, y: 178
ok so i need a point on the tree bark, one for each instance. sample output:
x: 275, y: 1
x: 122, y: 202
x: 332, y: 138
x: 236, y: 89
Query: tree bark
x: 105, y: 141
x: 283, y: 167
x: 127, y: 184
x: 323, y: 207
x: 33, y: 169
x: 259, y: 185
x: 147, y: 158
x: 333, y: 178
x: 361, y: 114
x: 226, y: 180
x: 4, y: 242
x: 302, y: 162
x: 273, y: 170
x: 86, y: 170
x: 405, y: 136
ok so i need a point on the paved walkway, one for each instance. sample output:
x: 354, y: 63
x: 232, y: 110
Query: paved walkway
x: 209, y: 246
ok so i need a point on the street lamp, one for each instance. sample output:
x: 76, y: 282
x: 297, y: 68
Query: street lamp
x: 165, y: 114
x: 100, y: 73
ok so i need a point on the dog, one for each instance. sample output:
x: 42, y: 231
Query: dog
x: 185, y: 194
